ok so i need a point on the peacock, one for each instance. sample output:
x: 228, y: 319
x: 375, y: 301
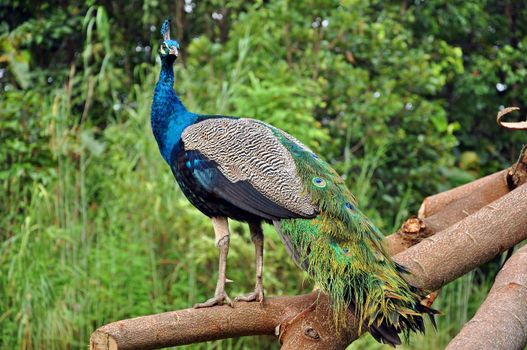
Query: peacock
x: 247, y: 170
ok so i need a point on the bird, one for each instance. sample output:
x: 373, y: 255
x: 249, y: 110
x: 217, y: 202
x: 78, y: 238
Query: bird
x: 243, y: 169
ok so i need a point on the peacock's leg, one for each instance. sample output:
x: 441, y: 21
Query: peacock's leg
x: 221, y: 232
x: 257, y: 238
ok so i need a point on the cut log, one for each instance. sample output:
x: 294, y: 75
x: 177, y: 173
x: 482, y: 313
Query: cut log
x: 469, y: 243
x: 447, y: 208
x: 494, y: 185
x: 501, y: 321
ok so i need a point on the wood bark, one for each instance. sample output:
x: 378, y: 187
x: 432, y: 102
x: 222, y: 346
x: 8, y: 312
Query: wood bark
x: 501, y: 321
x: 300, y: 322
x: 444, y: 209
x: 491, y: 183
x: 469, y: 243
x: 277, y: 316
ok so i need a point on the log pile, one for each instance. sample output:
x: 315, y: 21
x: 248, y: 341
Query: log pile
x: 453, y: 233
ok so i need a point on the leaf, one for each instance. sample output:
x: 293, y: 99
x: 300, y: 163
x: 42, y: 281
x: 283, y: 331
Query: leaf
x: 440, y: 121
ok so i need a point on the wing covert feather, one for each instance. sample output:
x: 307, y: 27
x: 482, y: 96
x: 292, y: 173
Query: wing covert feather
x: 246, y: 150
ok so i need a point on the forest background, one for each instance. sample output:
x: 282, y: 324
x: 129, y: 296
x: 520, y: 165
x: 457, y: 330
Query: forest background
x: 399, y: 96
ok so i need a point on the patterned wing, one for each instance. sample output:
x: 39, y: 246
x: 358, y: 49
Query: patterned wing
x: 209, y: 184
x: 251, y: 159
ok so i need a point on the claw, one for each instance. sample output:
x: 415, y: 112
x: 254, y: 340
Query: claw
x: 257, y: 295
x: 219, y: 299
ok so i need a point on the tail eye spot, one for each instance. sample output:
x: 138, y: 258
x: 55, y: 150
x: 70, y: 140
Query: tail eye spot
x: 318, y: 182
x: 350, y: 206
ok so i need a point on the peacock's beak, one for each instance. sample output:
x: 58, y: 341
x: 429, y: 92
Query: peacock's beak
x: 174, y: 51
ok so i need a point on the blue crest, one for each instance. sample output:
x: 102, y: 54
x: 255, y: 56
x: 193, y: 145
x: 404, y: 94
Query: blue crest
x: 165, y: 29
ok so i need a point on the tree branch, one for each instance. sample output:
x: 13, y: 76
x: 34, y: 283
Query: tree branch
x: 198, y: 325
x: 501, y: 321
x: 467, y: 244
x: 494, y: 183
x: 446, y: 208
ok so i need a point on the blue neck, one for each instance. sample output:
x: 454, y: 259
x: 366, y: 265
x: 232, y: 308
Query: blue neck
x: 169, y: 117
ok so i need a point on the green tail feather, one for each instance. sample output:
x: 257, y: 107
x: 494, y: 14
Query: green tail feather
x: 343, y: 252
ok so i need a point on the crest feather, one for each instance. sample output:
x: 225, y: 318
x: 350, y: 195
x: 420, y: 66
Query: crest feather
x: 165, y: 29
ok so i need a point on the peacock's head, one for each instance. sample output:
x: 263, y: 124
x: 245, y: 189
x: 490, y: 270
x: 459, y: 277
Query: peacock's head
x: 168, y: 48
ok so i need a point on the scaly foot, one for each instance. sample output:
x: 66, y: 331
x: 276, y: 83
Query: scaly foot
x: 218, y: 299
x: 257, y: 295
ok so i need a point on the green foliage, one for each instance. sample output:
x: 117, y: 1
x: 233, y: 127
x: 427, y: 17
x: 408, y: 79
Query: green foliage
x: 93, y: 227
x: 492, y: 37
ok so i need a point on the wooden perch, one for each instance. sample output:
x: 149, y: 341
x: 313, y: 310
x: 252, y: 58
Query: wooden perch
x: 199, y: 325
x: 303, y: 322
x: 444, y: 209
x: 495, y: 183
x: 469, y: 243
x: 447, y: 208
x: 501, y: 321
